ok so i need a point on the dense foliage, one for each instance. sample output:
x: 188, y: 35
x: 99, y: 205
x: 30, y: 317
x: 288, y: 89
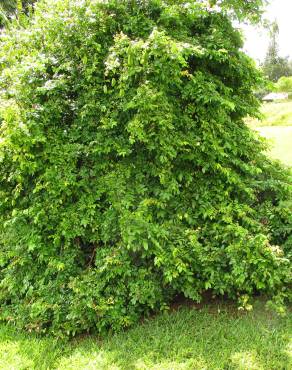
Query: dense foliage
x: 11, y: 8
x: 127, y: 173
x: 251, y: 10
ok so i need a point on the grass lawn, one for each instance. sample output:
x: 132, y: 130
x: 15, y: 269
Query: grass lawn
x: 214, y: 337
x: 280, y: 138
x: 275, y: 114
x: 277, y: 128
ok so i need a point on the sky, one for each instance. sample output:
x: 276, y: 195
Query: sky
x: 257, y: 39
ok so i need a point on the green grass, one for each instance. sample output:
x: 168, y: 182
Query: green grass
x: 281, y: 142
x: 276, y: 126
x: 186, y: 339
x: 275, y: 114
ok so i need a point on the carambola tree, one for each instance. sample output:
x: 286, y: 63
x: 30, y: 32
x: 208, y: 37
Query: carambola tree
x: 127, y: 173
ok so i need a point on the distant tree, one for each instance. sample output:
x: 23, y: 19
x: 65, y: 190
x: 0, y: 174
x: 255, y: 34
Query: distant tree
x: 275, y: 66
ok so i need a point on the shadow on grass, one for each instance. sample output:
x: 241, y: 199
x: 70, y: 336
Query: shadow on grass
x: 185, y: 339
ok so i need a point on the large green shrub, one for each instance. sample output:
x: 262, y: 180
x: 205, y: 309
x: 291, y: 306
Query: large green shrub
x: 127, y: 173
